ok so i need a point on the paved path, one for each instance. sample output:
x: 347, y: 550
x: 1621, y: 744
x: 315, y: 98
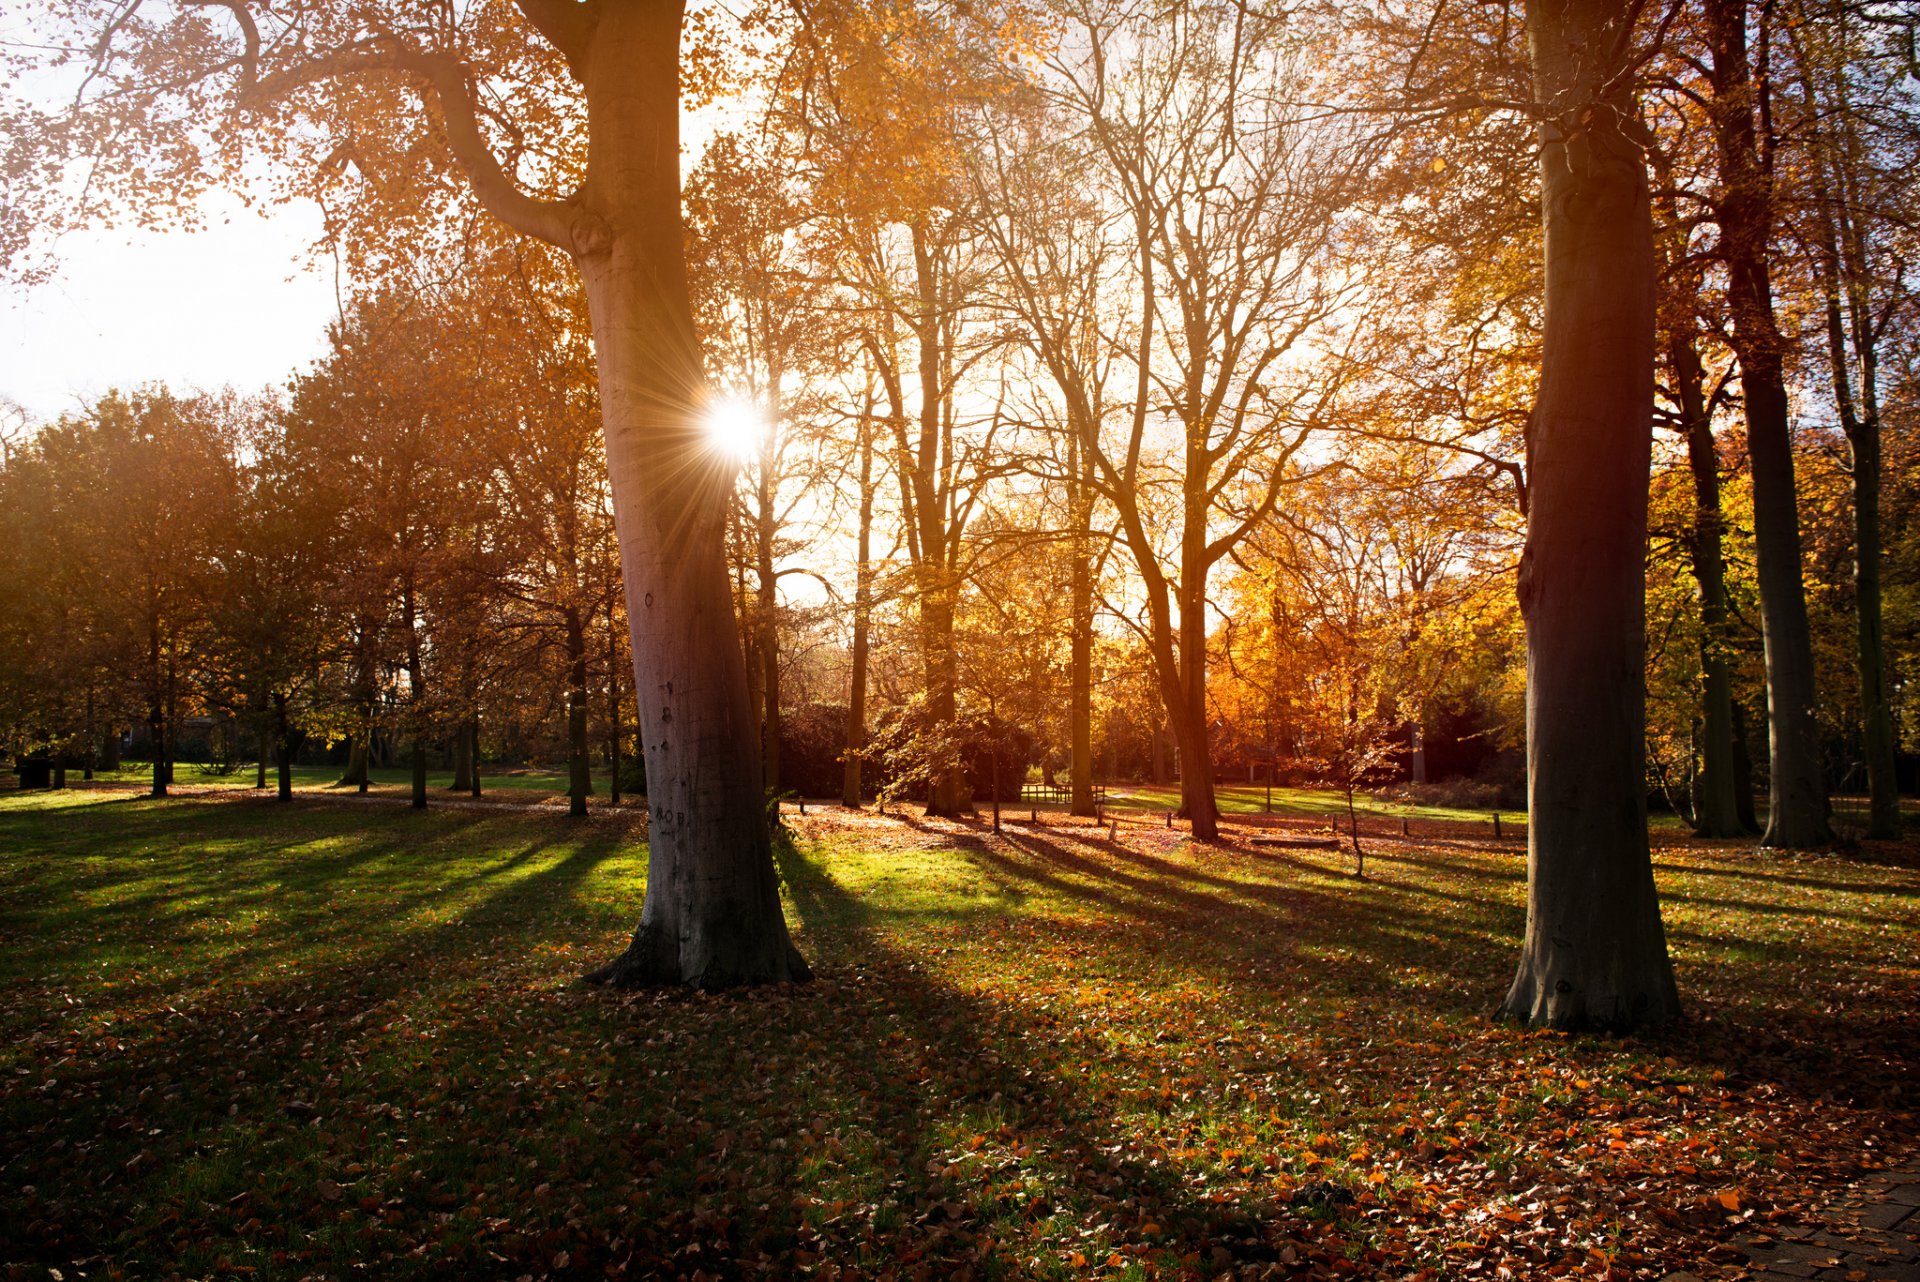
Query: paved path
x: 1870, y: 1234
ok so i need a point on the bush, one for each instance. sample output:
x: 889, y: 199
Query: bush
x: 811, y: 741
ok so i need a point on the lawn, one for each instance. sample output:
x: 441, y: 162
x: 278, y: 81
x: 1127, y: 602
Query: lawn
x: 325, y: 1040
x: 522, y: 783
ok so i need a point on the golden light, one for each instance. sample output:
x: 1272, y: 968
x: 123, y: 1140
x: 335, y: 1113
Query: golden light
x: 735, y: 427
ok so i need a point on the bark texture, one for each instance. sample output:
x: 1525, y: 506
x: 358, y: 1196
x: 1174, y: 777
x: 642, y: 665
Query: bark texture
x: 712, y: 916
x: 1595, y: 952
x: 1797, y: 815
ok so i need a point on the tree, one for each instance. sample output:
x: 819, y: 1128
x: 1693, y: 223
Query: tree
x: 1226, y: 208
x: 1797, y: 813
x: 1595, y: 954
x: 1862, y: 149
x: 331, y: 86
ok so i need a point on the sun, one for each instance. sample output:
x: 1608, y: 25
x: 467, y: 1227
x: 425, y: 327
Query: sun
x: 735, y: 428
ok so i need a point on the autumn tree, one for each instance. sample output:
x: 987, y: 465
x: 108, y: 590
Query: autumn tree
x: 1595, y: 952
x: 562, y: 120
x: 1227, y: 207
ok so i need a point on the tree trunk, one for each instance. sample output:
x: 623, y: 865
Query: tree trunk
x: 416, y: 695
x: 1595, y: 954
x: 156, y: 717
x: 1798, y: 803
x: 1187, y: 710
x: 949, y: 793
x: 462, y: 761
x: 613, y: 709
x: 1743, y: 771
x: 1717, y: 811
x: 1080, y: 660
x: 282, y: 748
x: 579, y: 772
x: 712, y: 916
x: 1842, y: 268
x: 417, y: 765
x: 850, y: 786
x: 473, y: 750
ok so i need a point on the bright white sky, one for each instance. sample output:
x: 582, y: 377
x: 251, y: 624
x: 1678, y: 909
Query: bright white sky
x: 242, y: 303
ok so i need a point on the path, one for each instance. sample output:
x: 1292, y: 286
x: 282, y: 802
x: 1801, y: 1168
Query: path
x: 1871, y: 1234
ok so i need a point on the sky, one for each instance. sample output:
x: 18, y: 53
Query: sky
x: 241, y: 303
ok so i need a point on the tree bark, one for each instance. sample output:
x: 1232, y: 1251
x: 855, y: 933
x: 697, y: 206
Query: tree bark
x: 156, y: 718
x: 1187, y: 714
x: 579, y: 772
x: 1841, y: 265
x: 1080, y: 658
x: 851, y: 793
x: 613, y: 709
x: 473, y: 751
x: 462, y: 761
x: 1717, y: 810
x: 282, y: 749
x: 712, y: 915
x: 1595, y: 953
x: 1797, y: 813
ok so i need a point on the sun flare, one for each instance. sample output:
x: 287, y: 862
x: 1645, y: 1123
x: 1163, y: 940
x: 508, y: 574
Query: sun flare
x: 735, y: 428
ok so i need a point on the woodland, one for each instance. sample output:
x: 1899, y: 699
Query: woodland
x: 973, y: 638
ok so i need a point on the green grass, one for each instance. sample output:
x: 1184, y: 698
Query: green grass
x: 385, y: 779
x: 328, y: 1040
x: 1304, y: 803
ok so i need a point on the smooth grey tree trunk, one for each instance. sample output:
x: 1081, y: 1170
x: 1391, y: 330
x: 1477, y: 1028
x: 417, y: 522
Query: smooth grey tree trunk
x: 1595, y: 954
x: 712, y: 916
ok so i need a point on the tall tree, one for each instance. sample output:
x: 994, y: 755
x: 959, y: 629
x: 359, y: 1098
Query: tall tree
x: 1595, y: 954
x: 564, y: 119
x: 1797, y: 814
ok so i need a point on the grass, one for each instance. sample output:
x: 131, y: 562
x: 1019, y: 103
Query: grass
x: 329, y: 1040
x: 523, y: 783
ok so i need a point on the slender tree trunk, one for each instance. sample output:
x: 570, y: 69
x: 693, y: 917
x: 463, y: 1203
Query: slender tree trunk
x: 1842, y: 268
x: 416, y: 695
x: 1595, y: 954
x: 282, y: 746
x: 462, y: 761
x: 579, y: 773
x: 1717, y: 812
x: 92, y: 737
x: 1798, y: 803
x: 851, y: 793
x: 613, y: 709
x: 765, y: 612
x: 156, y: 717
x: 1187, y: 710
x: 1080, y: 660
x: 473, y: 750
x: 1743, y: 789
x: 712, y: 916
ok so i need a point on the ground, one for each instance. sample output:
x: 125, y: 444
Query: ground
x: 331, y: 1039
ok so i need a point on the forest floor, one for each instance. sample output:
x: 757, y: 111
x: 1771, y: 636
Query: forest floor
x: 320, y: 1040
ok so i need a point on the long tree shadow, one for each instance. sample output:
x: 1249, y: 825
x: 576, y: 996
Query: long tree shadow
x: 260, y: 1052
